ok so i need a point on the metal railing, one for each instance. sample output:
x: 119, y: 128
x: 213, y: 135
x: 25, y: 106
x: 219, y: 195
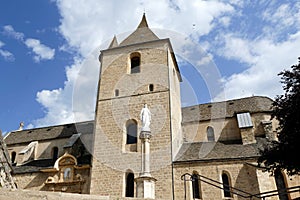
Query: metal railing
x: 189, y: 177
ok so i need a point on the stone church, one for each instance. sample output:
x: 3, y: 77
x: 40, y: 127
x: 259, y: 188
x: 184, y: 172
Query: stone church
x: 207, y: 151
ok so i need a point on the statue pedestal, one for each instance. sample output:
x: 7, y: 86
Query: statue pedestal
x: 145, y: 183
x: 145, y: 187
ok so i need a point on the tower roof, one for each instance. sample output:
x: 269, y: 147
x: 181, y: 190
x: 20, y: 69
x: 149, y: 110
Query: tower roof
x: 142, y: 34
x: 113, y: 43
x: 143, y: 23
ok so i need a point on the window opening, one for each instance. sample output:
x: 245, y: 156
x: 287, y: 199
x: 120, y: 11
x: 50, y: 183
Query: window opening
x: 281, y: 186
x: 131, y: 132
x: 226, y: 185
x: 129, y: 185
x: 151, y: 87
x: 116, y: 92
x: 135, y: 64
x: 196, y: 186
x: 13, y: 157
x: 210, y: 134
x: 54, y: 153
x: 244, y: 120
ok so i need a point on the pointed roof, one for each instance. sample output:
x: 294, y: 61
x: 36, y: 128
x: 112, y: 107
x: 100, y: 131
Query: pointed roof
x: 143, y: 23
x: 113, y: 43
x: 142, y: 34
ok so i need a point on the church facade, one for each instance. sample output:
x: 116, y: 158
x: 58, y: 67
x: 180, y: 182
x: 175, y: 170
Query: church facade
x: 207, y: 151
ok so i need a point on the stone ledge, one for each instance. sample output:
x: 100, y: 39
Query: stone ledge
x: 11, y: 194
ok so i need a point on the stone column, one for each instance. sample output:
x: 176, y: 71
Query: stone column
x: 145, y: 139
x: 145, y: 182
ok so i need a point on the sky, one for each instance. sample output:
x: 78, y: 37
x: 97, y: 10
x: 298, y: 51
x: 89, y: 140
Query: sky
x: 225, y: 50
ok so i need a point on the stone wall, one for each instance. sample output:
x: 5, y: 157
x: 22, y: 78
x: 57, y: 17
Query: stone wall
x: 36, y: 180
x: 242, y: 176
x: 42, y: 195
x: 112, y: 160
x: 225, y: 128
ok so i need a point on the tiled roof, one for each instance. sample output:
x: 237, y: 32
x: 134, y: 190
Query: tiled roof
x: 226, y: 108
x: 48, y: 133
x: 208, y: 151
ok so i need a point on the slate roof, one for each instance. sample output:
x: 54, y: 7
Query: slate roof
x: 217, y: 151
x: 189, y: 114
x: 51, y: 132
x: 37, y: 165
x: 226, y: 109
x: 114, y: 43
x: 142, y: 34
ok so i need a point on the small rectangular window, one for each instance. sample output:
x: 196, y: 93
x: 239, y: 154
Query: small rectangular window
x: 116, y: 93
x: 151, y: 87
x: 244, y: 120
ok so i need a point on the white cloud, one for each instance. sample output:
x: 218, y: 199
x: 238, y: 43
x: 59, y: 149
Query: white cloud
x: 274, y: 49
x: 76, y: 100
x: 281, y: 18
x: 8, y: 56
x: 42, y: 52
x: 237, y: 48
x: 261, y: 78
x: 87, y: 24
x: 9, y: 30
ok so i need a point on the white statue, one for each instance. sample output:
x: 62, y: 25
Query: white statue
x: 145, y: 118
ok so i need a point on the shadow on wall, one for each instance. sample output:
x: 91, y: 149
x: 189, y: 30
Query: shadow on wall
x: 247, y: 180
x: 37, y: 182
x: 230, y: 132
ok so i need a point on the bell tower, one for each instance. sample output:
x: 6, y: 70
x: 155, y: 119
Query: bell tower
x: 140, y: 70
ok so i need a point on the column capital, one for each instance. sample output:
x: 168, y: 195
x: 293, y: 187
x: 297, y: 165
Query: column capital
x: 145, y: 135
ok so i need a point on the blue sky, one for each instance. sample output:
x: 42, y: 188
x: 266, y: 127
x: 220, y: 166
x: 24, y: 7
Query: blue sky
x: 226, y: 50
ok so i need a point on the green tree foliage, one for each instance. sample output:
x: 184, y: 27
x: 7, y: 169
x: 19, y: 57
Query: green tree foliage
x: 284, y: 153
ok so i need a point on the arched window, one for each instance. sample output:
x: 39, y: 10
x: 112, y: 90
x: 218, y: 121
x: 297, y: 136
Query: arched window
x: 13, y: 157
x: 54, y: 153
x: 210, y: 134
x: 135, y: 62
x: 131, y: 132
x: 196, y: 186
x: 281, y: 186
x: 129, y: 185
x: 226, y: 185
